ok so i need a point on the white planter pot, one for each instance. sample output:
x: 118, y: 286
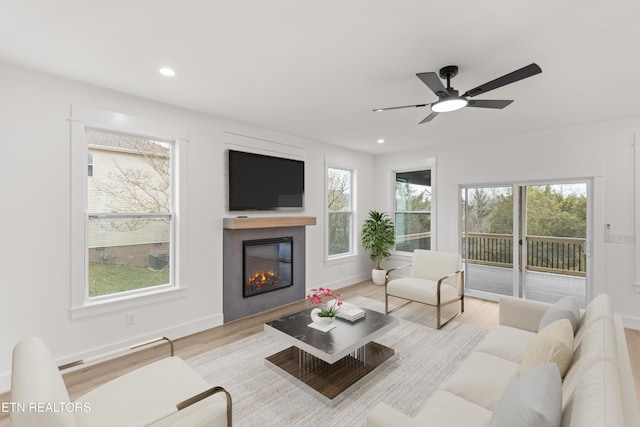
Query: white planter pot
x: 321, y: 321
x: 377, y: 276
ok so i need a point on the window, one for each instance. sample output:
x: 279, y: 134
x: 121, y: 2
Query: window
x: 90, y: 163
x: 125, y: 233
x: 412, y: 210
x: 340, y: 212
x: 129, y: 213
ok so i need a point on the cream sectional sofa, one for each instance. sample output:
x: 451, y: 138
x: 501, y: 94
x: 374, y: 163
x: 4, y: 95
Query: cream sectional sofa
x: 597, y: 390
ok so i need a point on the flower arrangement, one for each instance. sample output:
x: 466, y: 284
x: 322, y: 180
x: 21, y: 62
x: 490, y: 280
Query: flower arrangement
x: 330, y: 308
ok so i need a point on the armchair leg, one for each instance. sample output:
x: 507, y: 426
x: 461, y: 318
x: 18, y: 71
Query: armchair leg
x: 386, y: 302
x: 440, y: 324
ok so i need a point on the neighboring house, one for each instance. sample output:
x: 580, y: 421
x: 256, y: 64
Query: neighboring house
x: 127, y: 175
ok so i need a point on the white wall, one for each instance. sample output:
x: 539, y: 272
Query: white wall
x: 35, y: 196
x: 35, y: 226
x: 602, y: 152
x: 334, y: 273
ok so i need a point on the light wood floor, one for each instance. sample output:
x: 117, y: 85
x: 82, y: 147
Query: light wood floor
x: 478, y: 312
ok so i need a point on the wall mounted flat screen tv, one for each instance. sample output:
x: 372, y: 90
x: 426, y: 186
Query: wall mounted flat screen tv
x: 260, y: 182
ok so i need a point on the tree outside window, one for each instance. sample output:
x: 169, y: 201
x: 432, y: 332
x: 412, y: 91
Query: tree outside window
x: 129, y: 213
x: 340, y: 211
x: 412, y: 214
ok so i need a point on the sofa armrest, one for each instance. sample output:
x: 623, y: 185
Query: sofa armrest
x: 521, y: 313
x: 627, y: 387
x: 383, y: 415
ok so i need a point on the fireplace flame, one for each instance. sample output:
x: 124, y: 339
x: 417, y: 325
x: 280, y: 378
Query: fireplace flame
x: 263, y: 279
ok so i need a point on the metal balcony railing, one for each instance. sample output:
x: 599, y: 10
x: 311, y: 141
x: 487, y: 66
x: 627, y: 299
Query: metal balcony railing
x: 560, y: 255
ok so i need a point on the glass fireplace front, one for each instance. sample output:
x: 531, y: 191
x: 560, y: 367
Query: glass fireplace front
x: 267, y: 265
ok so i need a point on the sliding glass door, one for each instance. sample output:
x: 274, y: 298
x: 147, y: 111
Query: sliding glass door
x: 488, y: 240
x: 527, y: 241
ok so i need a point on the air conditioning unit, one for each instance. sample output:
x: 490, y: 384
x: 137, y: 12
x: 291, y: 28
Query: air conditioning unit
x: 158, y: 261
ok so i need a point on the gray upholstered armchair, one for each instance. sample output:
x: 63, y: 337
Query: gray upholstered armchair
x: 436, y: 279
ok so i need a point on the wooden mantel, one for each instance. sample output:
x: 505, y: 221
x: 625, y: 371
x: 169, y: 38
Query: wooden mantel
x: 244, y: 223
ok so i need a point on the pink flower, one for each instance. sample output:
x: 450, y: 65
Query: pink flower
x: 316, y: 297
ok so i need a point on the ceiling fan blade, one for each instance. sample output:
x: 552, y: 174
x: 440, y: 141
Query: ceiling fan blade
x: 429, y: 117
x: 434, y: 83
x: 522, y: 73
x: 404, y: 106
x: 489, y: 103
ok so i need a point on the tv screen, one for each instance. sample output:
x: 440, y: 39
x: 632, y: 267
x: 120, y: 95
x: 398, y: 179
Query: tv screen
x: 259, y: 182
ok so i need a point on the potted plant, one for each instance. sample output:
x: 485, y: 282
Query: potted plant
x: 325, y: 315
x: 378, y: 237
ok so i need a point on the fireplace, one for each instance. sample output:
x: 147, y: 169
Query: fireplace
x: 285, y: 257
x: 267, y: 265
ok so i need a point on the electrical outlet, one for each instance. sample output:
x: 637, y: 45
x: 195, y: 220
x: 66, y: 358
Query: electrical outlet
x: 131, y: 318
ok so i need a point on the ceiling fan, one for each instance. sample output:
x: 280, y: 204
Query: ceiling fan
x: 448, y: 98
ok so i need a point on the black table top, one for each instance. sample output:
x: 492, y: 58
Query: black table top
x: 344, y: 338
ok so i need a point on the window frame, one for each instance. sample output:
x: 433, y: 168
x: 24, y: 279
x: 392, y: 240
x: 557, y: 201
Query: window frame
x: 352, y: 213
x: 414, y: 166
x: 170, y: 216
x: 82, y: 119
x: 89, y: 164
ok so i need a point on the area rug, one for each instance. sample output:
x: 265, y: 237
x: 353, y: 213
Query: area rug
x: 262, y: 397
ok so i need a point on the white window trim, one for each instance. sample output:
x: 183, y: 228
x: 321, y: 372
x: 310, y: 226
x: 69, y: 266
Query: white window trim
x: 409, y: 166
x: 353, y: 251
x: 86, y: 117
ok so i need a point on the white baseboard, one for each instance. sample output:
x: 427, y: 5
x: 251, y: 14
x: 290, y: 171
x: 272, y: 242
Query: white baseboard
x: 5, y: 382
x: 174, y: 332
x: 346, y: 281
x: 631, y: 322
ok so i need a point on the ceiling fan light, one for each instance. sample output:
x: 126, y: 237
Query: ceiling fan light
x: 449, y: 104
x: 166, y: 71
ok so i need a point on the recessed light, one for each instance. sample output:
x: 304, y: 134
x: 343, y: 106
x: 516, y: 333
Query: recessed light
x: 167, y: 72
x: 380, y: 141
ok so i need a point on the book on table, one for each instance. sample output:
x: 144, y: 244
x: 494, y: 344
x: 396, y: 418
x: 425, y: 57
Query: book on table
x: 350, y: 312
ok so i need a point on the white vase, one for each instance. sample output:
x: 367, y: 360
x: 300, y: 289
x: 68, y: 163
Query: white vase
x: 378, y: 276
x: 319, y: 320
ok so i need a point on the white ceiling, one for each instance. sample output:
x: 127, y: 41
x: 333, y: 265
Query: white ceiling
x: 317, y: 69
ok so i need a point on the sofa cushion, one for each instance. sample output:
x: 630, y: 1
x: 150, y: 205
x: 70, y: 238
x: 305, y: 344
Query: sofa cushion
x: 383, y: 415
x: 447, y: 409
x: 482, y: 378
x: 534, y: 400
x: 552, y: 344
x: 566, y: 308
x: 506, y: 342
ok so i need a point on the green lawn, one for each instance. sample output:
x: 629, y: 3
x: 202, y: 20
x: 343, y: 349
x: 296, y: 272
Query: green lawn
x: 107, y: 279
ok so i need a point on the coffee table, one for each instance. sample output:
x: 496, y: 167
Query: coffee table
x: 328, y: 363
